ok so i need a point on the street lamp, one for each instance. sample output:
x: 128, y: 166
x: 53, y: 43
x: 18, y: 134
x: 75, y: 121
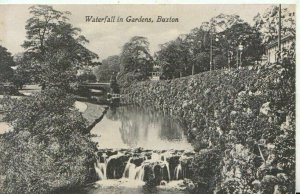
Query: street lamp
x: 230, y: 53
x: 241, y: 47
x: 211, y: 51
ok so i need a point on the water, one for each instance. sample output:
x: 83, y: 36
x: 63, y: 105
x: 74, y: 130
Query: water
x: 138, y: 145
x: 132, y: 126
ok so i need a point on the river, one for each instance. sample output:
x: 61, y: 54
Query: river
x: 134, y: 142
x: 138, y: 145
x: 134, y: 126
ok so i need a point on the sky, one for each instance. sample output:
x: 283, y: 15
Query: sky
x: 107, y: 39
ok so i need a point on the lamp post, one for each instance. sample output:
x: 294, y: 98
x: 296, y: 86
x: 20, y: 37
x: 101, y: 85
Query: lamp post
x: 230, y: 53
x: 237, y: 57
x: 193, y: 61
x: 279, y: 35
x: 210, y: 54
x: 241, y: 47
x: 211, y: 51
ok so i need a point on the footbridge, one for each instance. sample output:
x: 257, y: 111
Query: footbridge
x: 96, y: 86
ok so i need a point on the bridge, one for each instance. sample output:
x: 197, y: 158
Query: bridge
x: 96, y: 86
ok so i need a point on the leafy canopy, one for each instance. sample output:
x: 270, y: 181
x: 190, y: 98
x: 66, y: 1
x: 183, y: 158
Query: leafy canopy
x: 55, y: 45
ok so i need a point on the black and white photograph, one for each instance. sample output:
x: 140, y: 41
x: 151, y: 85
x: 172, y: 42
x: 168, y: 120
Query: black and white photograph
x: 158, y: 98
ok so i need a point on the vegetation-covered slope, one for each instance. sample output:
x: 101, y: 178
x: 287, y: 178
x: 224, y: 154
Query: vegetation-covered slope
x: 241, y: 122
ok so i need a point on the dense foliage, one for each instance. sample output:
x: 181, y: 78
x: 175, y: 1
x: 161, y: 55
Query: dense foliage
x: 6, y: 62
x: 267, y: 21
x: 109, y: 66
x: 136, y: 61
x: 86, y: 77
x: 54, y: 46
x: 240, y: 34
x: 49, y: 148
x: 216, y: 41
x: 246, y: 116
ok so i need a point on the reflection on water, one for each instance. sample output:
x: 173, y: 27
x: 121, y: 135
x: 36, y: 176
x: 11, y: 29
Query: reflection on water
x: 133, y: 126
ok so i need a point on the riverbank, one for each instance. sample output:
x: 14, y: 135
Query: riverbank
x: 94, y: 113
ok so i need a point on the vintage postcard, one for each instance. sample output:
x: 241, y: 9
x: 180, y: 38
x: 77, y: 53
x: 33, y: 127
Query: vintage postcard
x: 148, y: 98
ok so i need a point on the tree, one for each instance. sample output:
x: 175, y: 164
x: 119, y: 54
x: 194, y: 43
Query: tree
x: 22, y: 73
x: 216, y: 26
x: 241, y: 34
x: 136, y: 61
x: 49, y: 149
x: 201, y: 62
x: 6, y: 62
x: 199, y: 44
x: 87, y: 77
x: 40, y: 26
x: 109, y: 66
x: 174, y: 56
x: 267, y: 23
x: 220, y: 61
x: 189, y: 53
x: 220, y: 23
x: 135, y: 56
x: 48, y: 35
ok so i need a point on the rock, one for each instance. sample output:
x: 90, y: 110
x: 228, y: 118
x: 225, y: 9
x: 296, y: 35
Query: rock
x: 191, y: 186
x: 163, y: 182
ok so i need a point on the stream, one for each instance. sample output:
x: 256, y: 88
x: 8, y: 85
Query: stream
x: 133, y: 127
x: 139, y: 147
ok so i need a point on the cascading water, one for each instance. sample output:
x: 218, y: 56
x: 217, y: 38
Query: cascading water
x: 138, y: 147
x: 127, y: 164
x: 178, y: 171
x: 101, y: 167
x: 133, y: 172
x: 101, y: 170
x: 168, y: 168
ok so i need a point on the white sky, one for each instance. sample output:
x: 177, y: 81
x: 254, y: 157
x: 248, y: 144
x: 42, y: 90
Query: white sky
x: 107, y: 38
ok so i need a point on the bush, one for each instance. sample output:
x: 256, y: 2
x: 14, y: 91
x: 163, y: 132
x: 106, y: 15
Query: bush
x: 126, y: 79
x: 87, y: 77
x: 49, y: 148
x: 206, y: 170
x: 8, y: 90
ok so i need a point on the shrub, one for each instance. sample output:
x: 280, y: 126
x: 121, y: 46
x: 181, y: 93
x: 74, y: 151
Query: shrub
x: 206, y: 170
x: 8, y: 89
x: 49, y: 148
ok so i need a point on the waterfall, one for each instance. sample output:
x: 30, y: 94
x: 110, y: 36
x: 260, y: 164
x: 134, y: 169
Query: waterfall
x: 133, y: 172
x: 101, y: 167
x: 101, y: 170
x: 166, y: 163
x: 178, y: 171
x: 131, y: 165
x: 140, y: 173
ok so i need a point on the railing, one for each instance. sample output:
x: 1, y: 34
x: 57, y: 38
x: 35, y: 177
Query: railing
x: 114, y: 96
x: 155, y: 74
x: 154, y: 78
